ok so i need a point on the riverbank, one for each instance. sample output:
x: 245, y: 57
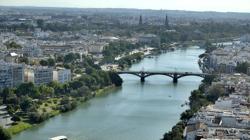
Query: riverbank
x: 197, y: 100
x: 24, y: 125
x: 129, y: 60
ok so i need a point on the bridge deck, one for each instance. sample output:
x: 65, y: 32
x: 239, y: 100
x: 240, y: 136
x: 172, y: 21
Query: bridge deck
x: 161, y: 72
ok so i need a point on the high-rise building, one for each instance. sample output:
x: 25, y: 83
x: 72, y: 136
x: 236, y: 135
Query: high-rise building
x: 11, y: 74
x: 140, y: 20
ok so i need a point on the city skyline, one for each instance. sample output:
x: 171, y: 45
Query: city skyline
x: 190, y: 5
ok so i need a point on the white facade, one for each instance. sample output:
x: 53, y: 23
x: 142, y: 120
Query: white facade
x: 62, y: 75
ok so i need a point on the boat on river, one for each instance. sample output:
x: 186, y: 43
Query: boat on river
x: 59, y: 138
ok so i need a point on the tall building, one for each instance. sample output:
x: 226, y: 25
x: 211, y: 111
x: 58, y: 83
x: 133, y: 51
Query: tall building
x: 18, y: 74
x: 11, y: 74
x: 39, y: 75
x: 140, y: 20
x: 166, y: 21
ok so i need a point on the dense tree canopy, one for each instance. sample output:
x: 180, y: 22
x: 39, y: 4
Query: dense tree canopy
x: 116, y: 48
x: 242, y: 67
x: 13, y: 45
x: 4, y: 135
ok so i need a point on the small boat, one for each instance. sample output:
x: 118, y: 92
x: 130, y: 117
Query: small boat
x: 59, y: 138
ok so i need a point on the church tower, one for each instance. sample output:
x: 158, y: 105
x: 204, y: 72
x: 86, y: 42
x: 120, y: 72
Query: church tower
x: 140, y: 21
x: 166, y: 21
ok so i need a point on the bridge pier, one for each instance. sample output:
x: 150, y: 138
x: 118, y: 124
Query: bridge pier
x: 175, y: 79
x: 142, y: 79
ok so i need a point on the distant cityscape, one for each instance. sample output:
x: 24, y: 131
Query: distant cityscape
x: 52, y: 59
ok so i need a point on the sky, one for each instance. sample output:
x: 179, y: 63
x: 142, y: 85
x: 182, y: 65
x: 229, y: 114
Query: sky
x: 193, y: 5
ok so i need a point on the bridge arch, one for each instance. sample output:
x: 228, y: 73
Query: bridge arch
x: 135, y: 74
x: 168, y: 75
x: 184, y: 75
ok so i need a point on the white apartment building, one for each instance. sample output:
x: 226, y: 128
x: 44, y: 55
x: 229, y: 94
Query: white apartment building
x: 39, y: 75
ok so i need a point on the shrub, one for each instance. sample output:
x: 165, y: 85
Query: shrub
x: 16, y: 118
x: 44, y: 110
x: 35, y: 117
x: 4, y: 135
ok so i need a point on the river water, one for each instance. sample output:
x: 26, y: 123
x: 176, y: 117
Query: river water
x: 134, y: 112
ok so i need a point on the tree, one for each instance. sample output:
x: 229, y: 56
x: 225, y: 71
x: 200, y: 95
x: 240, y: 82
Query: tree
x: 88, y: 80
x: 6, y: 93
x: 242, y: 67
x: 209, y: 47
x: 43, y: 62
x: 187, y: 114
x: 12, y: 99
x: 28, y: 89
x: 76, y: 84
x: 36, y: 117
x: 23, y: 60
x: 46, y: 91
x: 67, y: 104
x: 89, y: 70
x: 115, y: 79
x: 58, y: 88
x: 176, y: 133
x: 16, y: 118
x: 59, y: 58
x: 208, y: 79
x: 214, y: 92
x: 4, y: 134
x: 83, y: 91
x: 26, y: 103
x: 71, y: 57
x: 40, y: 23
x: 51, y: 62
x: 13, y: 45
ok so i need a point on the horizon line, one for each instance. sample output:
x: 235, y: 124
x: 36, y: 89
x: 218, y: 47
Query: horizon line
x: 33, y: 6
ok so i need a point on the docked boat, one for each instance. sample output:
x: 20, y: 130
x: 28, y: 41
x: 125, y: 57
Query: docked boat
x: 59, y: 138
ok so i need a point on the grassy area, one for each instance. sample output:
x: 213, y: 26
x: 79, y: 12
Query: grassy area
x: 21, y: 126
x: 50, y: 107
x: 102, y: 91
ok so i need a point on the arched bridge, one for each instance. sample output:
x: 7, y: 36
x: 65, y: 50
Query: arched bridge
x: 174, y: 75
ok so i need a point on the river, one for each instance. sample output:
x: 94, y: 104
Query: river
x: 134, y: 112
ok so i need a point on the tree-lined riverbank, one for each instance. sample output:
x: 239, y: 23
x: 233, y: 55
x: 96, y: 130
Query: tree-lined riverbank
x: 30, y: 104
x: 133, y: 111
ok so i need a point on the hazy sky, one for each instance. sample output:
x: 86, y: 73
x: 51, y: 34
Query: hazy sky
x: 194, y: 5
